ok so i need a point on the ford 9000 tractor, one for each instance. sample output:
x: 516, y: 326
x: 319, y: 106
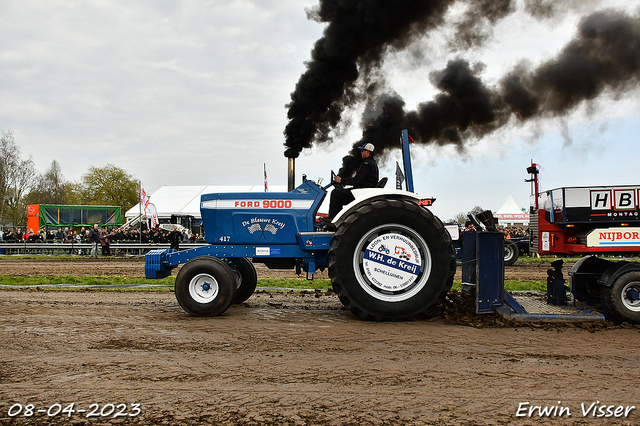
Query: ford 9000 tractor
x: 389, y: 258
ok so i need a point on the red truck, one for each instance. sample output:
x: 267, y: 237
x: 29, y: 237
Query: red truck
x: 585, y: 220
x: 592, y: 221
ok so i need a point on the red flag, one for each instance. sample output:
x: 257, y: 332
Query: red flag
x: 266, y: 189
x: 410, y: 138
x: 144, y: 199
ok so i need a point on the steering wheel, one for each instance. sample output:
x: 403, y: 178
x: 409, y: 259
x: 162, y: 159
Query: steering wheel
x: 333, y: 180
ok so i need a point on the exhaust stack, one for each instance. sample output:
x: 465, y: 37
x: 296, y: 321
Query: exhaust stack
x: 291, y: 179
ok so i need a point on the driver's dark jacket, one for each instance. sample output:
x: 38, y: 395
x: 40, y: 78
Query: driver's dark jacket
x: 366, y: 176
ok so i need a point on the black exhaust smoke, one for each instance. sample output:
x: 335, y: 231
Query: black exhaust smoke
x: 344, y: 66
x: 604, y: 57
x: 353, y: 44
x: 358, y: 34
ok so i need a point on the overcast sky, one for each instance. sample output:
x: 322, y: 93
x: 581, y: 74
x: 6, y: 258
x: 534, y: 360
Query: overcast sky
x: 194, y: 93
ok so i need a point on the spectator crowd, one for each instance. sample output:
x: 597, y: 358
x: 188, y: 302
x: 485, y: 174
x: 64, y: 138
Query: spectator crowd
x: 107, y: 236
x: 514, y: 232
x: 508, y: 231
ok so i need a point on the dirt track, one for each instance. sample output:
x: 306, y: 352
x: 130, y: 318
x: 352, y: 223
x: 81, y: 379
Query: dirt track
x: 296, y: 359
x: 134, y: 267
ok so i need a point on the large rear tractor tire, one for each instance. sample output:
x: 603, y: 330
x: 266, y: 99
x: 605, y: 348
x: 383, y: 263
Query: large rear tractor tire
x: 247, y: 280
x: 391, y: 260
x: 205, y: 287
x: 511, y: 253
x: 623, y: 297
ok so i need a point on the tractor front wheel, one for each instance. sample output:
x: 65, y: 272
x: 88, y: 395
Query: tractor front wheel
x: 247, y: 280
x: 205, y: 287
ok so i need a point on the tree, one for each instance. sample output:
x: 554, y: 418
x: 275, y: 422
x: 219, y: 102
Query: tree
x: 461, y: 217
x: 17, y: 177
x: 476, y: 210
x: 109, y: 186
x: 51, y: 187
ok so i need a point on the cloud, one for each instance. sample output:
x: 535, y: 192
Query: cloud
x: 183, y: 93
x: 140, y: 83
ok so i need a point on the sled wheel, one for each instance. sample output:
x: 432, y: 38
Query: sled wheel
x: 623, y: 298
x: 510, y: 253
x: 391, y: 260
x: 205, y: 287
x: 247, y: 280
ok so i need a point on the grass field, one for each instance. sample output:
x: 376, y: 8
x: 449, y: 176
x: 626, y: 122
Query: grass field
x: 284, y: 283
x: 279, y: 283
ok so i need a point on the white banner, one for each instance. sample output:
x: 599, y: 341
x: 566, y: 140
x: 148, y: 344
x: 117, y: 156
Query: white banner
x: 614, y: 237
x: 153, y: 216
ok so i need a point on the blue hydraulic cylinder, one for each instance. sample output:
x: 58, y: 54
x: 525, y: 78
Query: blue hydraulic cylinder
x: 406, y: 159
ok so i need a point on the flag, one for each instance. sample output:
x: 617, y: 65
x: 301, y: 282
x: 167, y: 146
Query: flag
x: 399, y: 176
x: 266, y: 188
x: 144, y: 199
x: 410, y: 139
x: 153, y: 213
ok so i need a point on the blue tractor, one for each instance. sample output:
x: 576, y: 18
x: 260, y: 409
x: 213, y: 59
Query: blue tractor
x: 389, y: 258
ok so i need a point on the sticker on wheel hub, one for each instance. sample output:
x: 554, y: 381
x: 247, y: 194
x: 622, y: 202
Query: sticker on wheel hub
x: 392, y: 262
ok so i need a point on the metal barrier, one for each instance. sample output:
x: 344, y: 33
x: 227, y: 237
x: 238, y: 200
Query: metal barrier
x: 84, y: 249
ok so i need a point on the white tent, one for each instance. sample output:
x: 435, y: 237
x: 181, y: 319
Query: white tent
x: 185, y: 200
x: 510, y: 214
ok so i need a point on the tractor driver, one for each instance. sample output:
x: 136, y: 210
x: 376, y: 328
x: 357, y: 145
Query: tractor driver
x: 365, y: 177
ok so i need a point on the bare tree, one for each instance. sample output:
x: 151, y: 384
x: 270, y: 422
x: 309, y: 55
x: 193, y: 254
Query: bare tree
x: 51, y: 187
x: 55, y: 183
x: 17, y: 177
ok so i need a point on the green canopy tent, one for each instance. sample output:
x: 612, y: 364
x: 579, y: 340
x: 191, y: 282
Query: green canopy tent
x: 51, y: 215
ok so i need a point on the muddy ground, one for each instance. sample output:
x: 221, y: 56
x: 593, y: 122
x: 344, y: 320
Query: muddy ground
x: 293, y: 358
x: 134, y: 267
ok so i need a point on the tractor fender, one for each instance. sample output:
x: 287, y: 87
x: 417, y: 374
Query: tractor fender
x: 612, y: 273
x: 591, y: 265
x: 365, y: 195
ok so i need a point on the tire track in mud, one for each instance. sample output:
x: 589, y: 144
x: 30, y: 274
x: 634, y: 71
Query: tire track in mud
x: 273, y: 361
x: 134, y: 267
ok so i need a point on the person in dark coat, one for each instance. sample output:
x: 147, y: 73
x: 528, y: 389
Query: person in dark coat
x: 60, y: 236
x: 174, y: 238
x: 105, y: 242
x: 365, y: 177
x: 94, y: 238
x: 31, y: 237
x: 10, y: 237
